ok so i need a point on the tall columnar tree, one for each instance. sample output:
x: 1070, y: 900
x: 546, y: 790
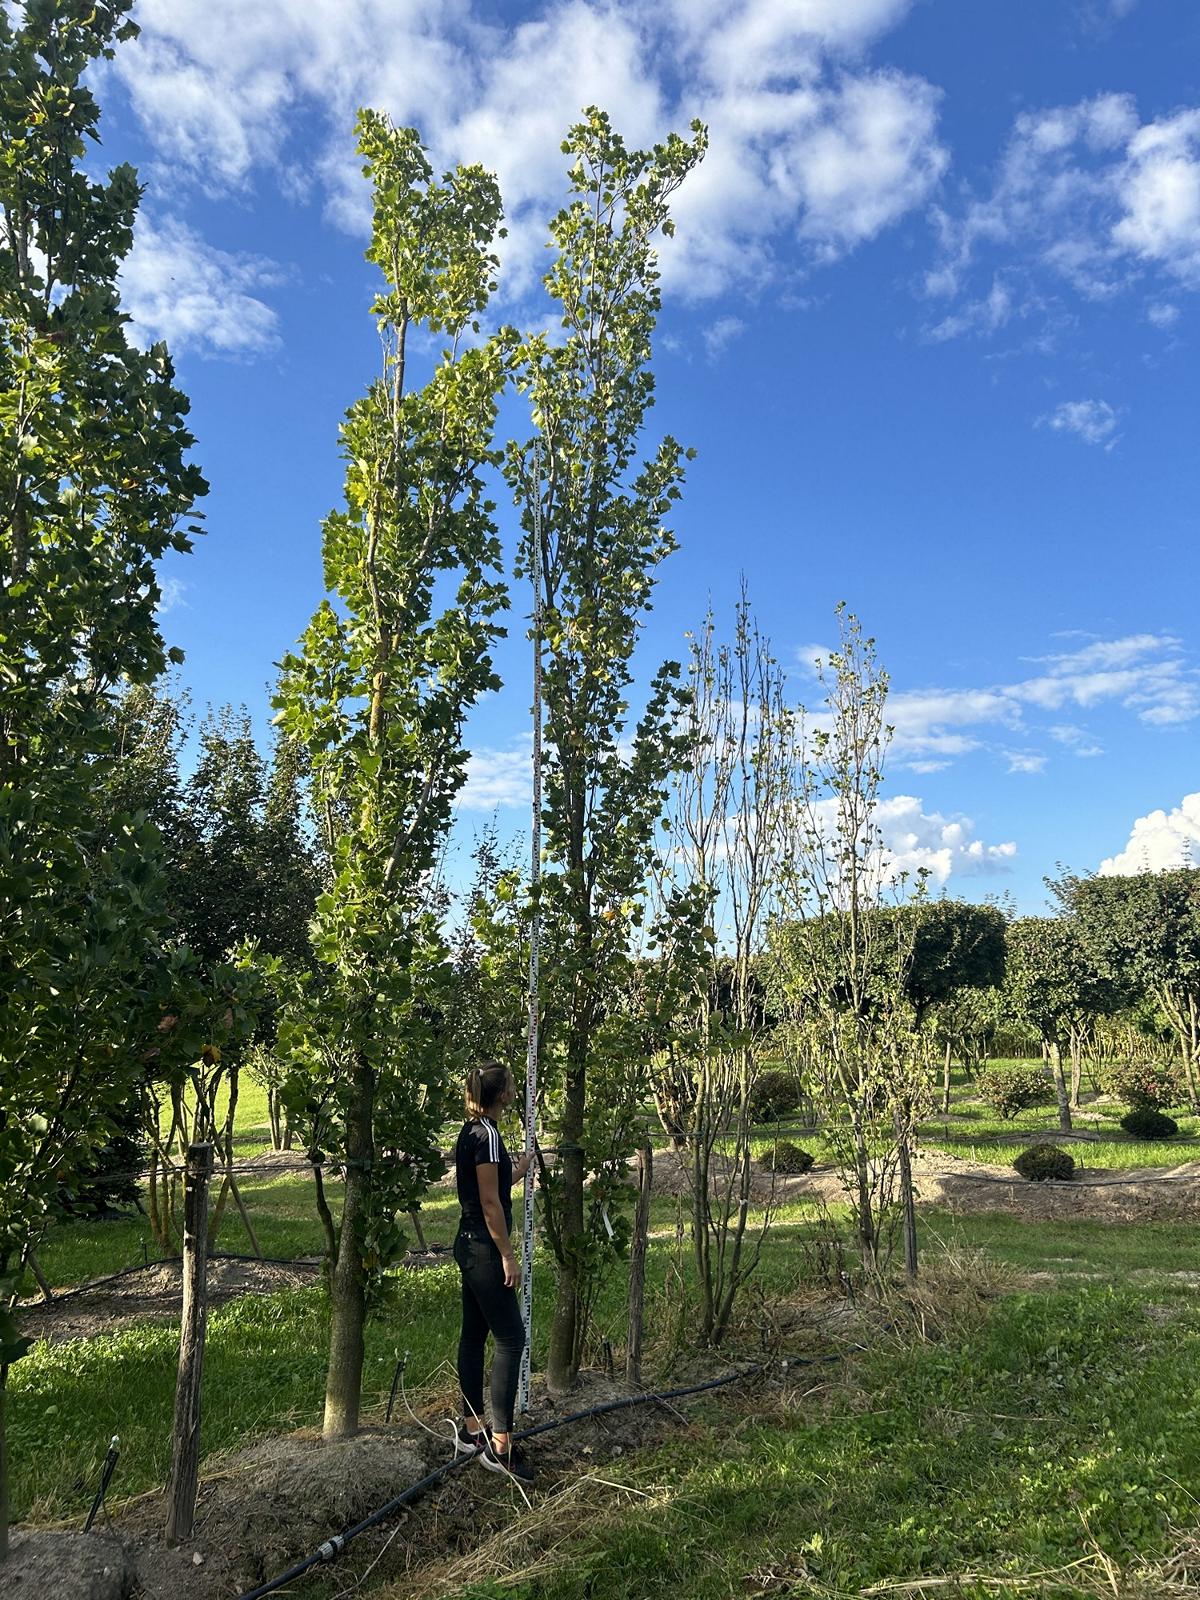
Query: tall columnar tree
x: 94, y: 486
x: 386, y: 673
x: 604, y: 532
x: 1145, y: 932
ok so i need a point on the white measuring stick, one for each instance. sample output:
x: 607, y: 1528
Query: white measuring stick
x: 535, y: 878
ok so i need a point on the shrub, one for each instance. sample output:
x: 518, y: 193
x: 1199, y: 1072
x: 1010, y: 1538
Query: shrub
x: 1042, y: 1161
x: 790, y: 1160
x: 775, y: 1093
x: 1144, y: 1085
x: 1143, y: 1122
x: 1011, y: 1089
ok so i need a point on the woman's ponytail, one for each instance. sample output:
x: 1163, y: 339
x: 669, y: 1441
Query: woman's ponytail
x: 485, y: 1085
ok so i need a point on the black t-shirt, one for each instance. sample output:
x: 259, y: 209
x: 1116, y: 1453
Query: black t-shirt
x: 480, y: 1142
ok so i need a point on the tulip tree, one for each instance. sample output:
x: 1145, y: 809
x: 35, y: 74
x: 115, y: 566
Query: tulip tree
x: 377, y: 693
x: 603, y: 534
x: 94, y: 488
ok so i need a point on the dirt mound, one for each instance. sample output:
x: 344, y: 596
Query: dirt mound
x: 266, y: 1507
x: 67, y: 1566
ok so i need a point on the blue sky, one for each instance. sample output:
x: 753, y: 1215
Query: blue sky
x: 930, y: 322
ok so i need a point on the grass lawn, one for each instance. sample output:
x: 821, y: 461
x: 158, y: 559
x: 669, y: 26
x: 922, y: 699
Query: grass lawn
x: 1060, y: 1423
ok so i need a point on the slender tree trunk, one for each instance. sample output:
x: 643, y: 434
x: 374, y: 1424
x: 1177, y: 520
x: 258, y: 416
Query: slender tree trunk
x: 273, y: 1117
x: 1076, y: 1071
x: 185, y: 1435
x: 907, y: 1196
x: 3, y: 1466
x: 1060, y: 1087
x: 562, y: 1367
x: 348, y: 1289
x: 946, y: 1081
x: 637, y: 1267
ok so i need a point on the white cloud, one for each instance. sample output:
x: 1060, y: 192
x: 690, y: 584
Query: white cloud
x: 1093, y: 421
x: 915, y: 839
x: 720, y: 334
x: 178, y: 288
x: 172, y: 591
x: 808, y: 142
x: 1025, y: 760
x: 1144, y: 673
x: 1162, y: 314
x: 1161, y: 839
x: 498, y: 778
x: 1085, y: 195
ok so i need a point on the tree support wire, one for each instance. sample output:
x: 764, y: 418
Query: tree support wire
x: 535, y: 928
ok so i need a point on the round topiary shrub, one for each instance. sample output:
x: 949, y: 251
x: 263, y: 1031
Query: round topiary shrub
x: 1144, y: 1084
x: 775, y: 1094
x: 790, y: 1161
x: 1042, y: 1161
x: 1011, y: 1089
x: 1146, y: 1123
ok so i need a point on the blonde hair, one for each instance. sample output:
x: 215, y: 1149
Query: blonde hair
x: 485, y: 1084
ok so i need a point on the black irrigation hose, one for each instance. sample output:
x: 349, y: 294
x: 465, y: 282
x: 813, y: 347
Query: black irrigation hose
x: 333, y: 1547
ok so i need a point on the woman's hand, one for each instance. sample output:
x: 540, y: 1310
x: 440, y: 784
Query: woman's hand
x: 512, y: 1271
x: 520, y: 1168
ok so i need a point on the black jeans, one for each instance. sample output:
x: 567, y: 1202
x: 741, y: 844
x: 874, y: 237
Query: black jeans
x: 487, y: 1307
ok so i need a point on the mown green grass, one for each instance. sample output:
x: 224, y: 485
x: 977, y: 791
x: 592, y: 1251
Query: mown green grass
x: 1066, y: 1422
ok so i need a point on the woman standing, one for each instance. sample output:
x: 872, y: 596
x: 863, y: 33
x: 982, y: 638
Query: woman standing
x: 491, y: 1274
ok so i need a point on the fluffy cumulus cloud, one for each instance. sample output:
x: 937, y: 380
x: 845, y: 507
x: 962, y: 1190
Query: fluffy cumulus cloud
x: 1086, y: 196
x: 811, y: 142
x: 1161, y: 839
x: 1146, y: 674
x: 178, y: 288
x: 917, y: 840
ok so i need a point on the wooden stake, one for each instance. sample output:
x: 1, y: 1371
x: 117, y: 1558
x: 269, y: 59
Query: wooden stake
x: 637, y: 1267
x: 185, y: 1435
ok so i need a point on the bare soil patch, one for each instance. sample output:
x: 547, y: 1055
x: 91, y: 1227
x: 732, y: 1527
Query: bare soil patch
x: 152, y: 1294
x: 954, y: 1183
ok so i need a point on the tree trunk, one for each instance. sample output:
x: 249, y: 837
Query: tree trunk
x: 348, y: 1289
x: 562, y: 1366
x: 946, y: 1081
x: 185, y: 1433
x: 907, y: 1197
x: 3, y: 1467
x: 1076, y: 1071
x: 273, y: 1117
x: 1060, y: 1088
x: 637, y: 1268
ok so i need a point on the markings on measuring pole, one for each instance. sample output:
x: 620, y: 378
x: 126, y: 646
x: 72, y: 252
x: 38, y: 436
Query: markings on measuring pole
x: 535, y: 879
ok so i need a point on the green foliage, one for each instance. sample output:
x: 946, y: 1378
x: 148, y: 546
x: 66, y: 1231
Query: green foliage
x: 1144, y: 1084
x: 1052, y: 981
x: 603, y: 520
x: 1043, y: 1161
x: 774, y: 1095
x: 1011, y: 1089
x: 790, y: 1160
x: 1146, y: 1123
x: 96, y: 483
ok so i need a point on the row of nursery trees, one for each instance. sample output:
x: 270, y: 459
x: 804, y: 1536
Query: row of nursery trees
x: 714, y: 893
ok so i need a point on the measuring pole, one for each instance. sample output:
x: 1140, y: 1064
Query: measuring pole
x: 535, y: 880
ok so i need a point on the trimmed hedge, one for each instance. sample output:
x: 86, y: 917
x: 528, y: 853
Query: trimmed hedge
x: 789, y: 1160
x: 1146, y: 1123
x: 1042, y: 1161
x: 776, y: 1094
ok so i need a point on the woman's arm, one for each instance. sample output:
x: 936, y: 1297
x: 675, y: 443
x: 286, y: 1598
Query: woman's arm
x: 493, y: 1215
x: 520, y: 1168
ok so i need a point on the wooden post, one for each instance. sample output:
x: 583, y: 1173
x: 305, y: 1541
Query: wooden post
x: 637, y: 1267
x: 185, y: 1435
